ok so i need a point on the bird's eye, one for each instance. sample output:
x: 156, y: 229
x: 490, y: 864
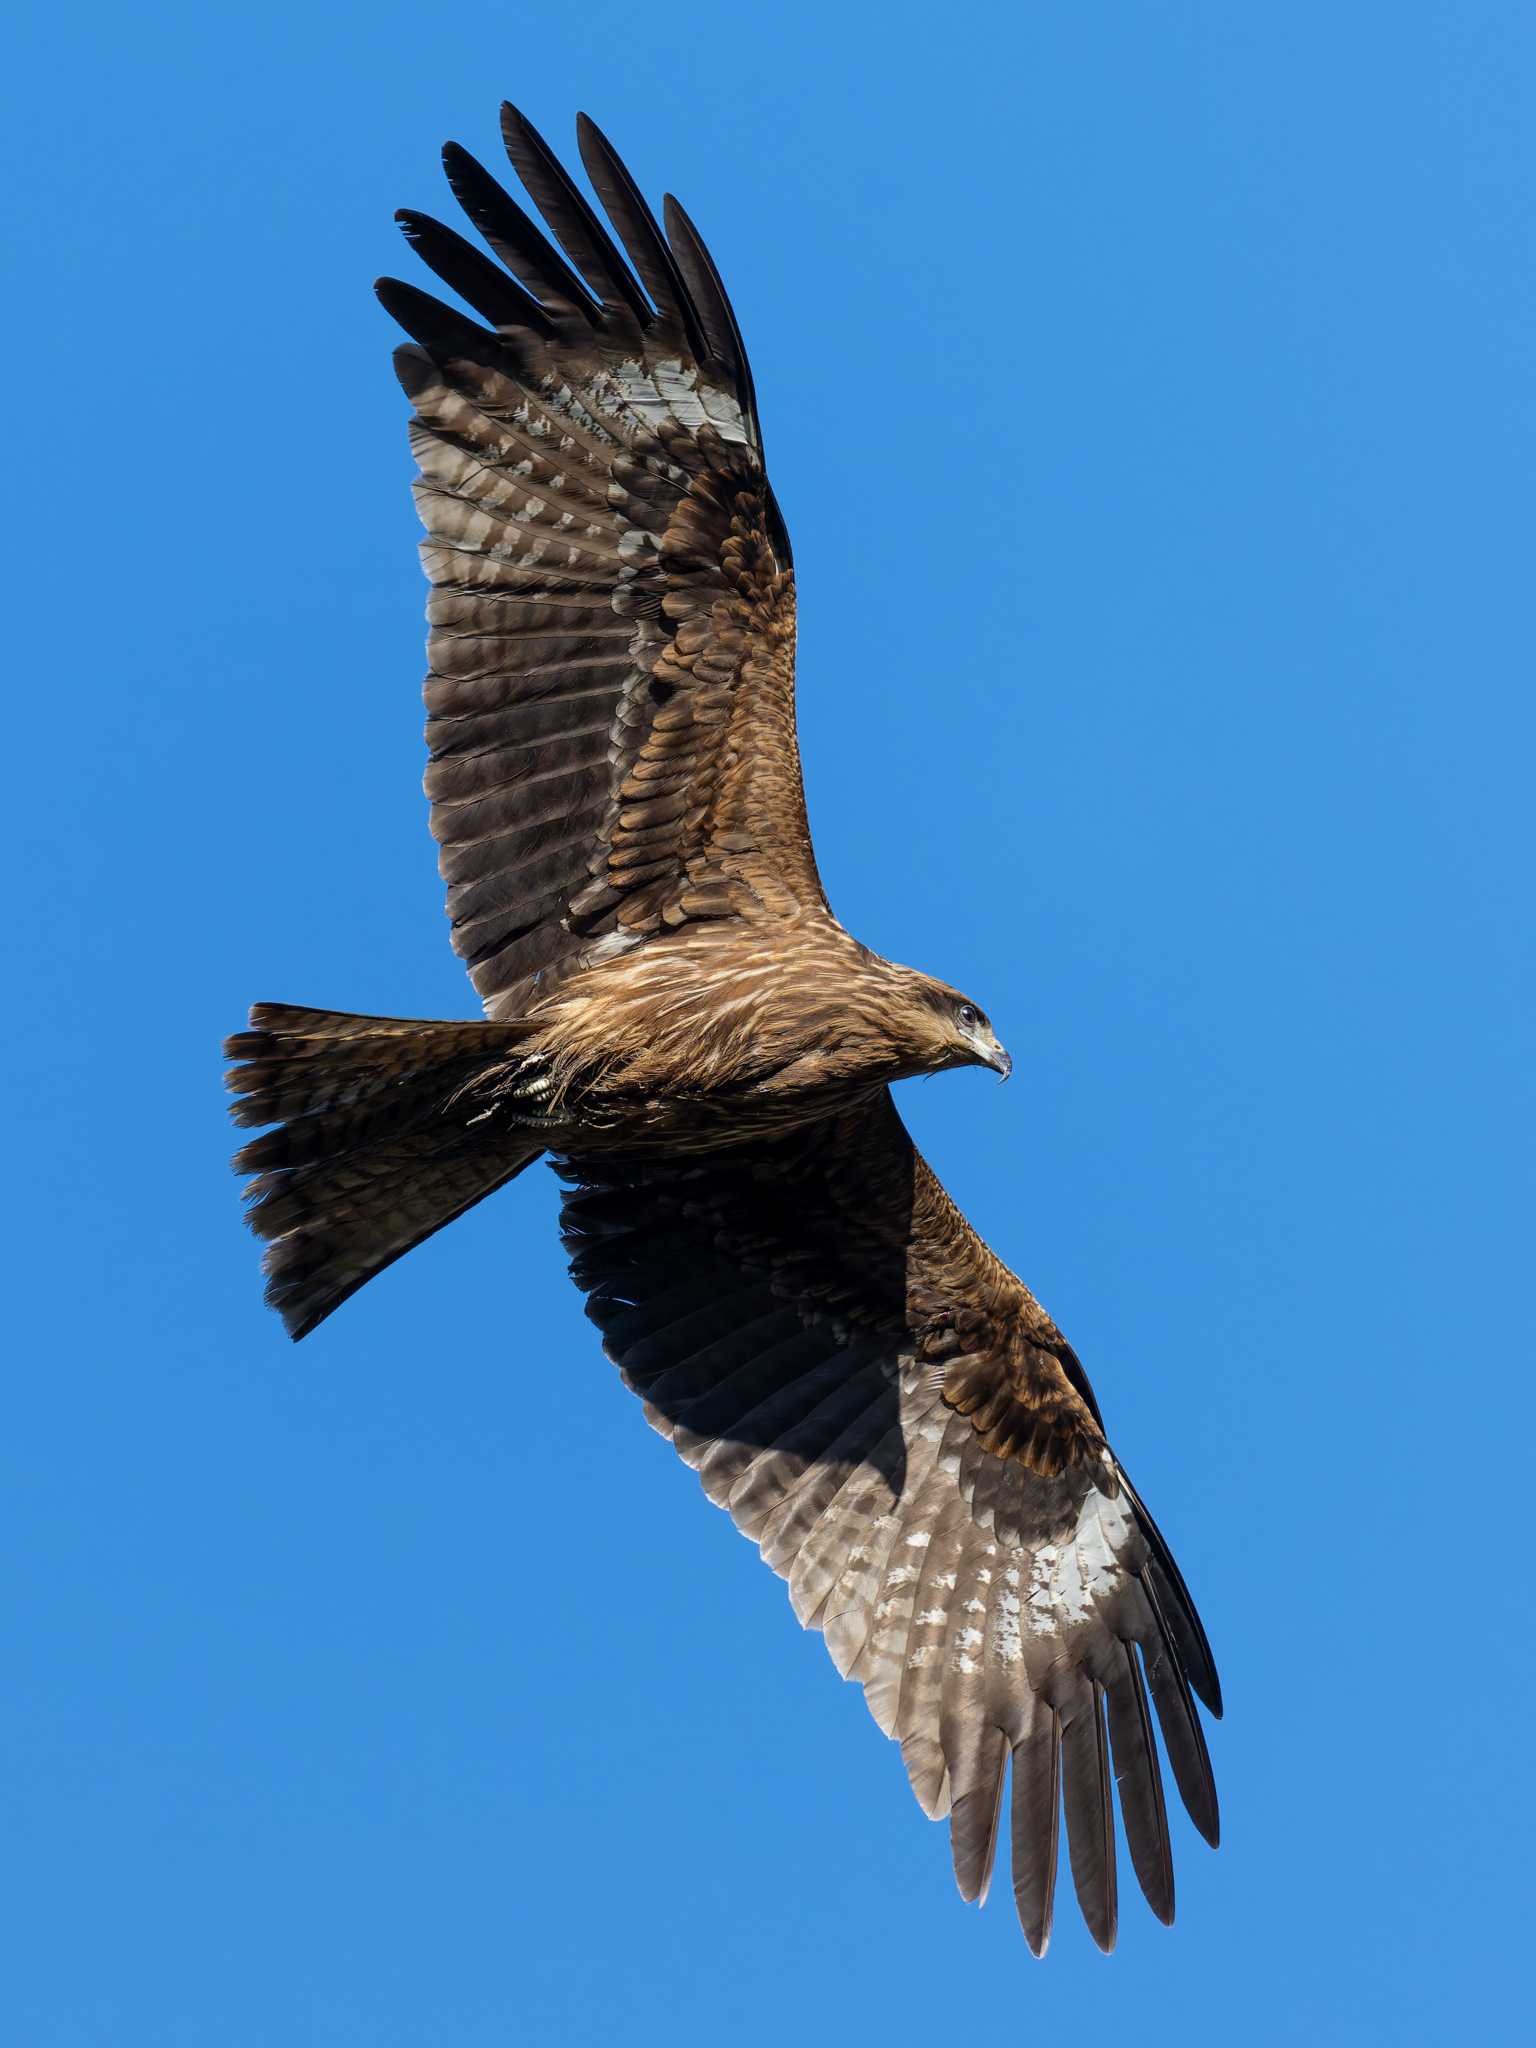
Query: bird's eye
x: 969, y: 1017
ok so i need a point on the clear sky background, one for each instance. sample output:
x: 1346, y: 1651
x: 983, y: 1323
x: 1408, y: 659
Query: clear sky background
x: 1150, y: 391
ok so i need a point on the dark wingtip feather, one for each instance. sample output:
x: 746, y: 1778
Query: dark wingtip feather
x: 515, y: 240
x: 1188, y: 1630
x: 1183, y: 1737
x: 436, y: 326
x: 708, y: 291
x: 646, y: 245
x: 1089, y: 1801
x: 1036, y: 1827
x: 1142, y: 1807
x: 571, y: 220
x: 974, y: 1817
x: 478, y: 281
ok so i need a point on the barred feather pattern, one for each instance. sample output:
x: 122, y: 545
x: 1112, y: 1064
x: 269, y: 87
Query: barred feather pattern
x: 379, y: 1141
x: 877, y: 1401
x: 771, y: 1308
x: 611, y: 687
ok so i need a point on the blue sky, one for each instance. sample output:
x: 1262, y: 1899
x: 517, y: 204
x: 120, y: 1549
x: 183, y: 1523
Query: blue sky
x: 1149, y: 391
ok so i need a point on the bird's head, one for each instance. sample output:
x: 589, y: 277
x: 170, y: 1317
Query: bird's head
x: 958, y: 1032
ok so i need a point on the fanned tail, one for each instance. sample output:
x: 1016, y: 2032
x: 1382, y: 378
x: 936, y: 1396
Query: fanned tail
x: 383, y: 1136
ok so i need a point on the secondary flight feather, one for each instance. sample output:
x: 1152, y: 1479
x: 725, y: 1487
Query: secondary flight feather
x: 676, y: 1018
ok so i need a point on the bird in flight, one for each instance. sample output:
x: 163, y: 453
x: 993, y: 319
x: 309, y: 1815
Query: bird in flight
x: 675, y: 1017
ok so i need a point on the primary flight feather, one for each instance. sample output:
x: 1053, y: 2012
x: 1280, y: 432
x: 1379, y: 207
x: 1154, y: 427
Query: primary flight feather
x: 675, y: 1015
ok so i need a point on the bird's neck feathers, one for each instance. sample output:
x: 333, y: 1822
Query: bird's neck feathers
x: 659, y: 1017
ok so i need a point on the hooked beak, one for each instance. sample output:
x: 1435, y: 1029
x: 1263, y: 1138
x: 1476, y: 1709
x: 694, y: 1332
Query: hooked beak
x: 999, y: 1062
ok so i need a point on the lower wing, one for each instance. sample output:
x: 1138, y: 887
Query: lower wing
x: 889, y: 1414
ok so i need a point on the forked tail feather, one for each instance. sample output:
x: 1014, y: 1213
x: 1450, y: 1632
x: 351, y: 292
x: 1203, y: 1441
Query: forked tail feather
x: 382, y: 1136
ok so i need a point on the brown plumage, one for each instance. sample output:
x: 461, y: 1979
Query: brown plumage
x: 676, y: 1016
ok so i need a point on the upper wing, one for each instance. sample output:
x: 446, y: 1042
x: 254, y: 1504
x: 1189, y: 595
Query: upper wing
x: 611, y: 693
x: 807, y: 1320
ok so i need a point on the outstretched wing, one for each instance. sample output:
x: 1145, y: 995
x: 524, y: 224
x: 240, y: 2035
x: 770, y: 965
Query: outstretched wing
x: 891, y: 1416
x: 611, y: 693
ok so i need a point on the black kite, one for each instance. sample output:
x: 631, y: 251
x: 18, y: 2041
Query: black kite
x: 677, y: 1017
